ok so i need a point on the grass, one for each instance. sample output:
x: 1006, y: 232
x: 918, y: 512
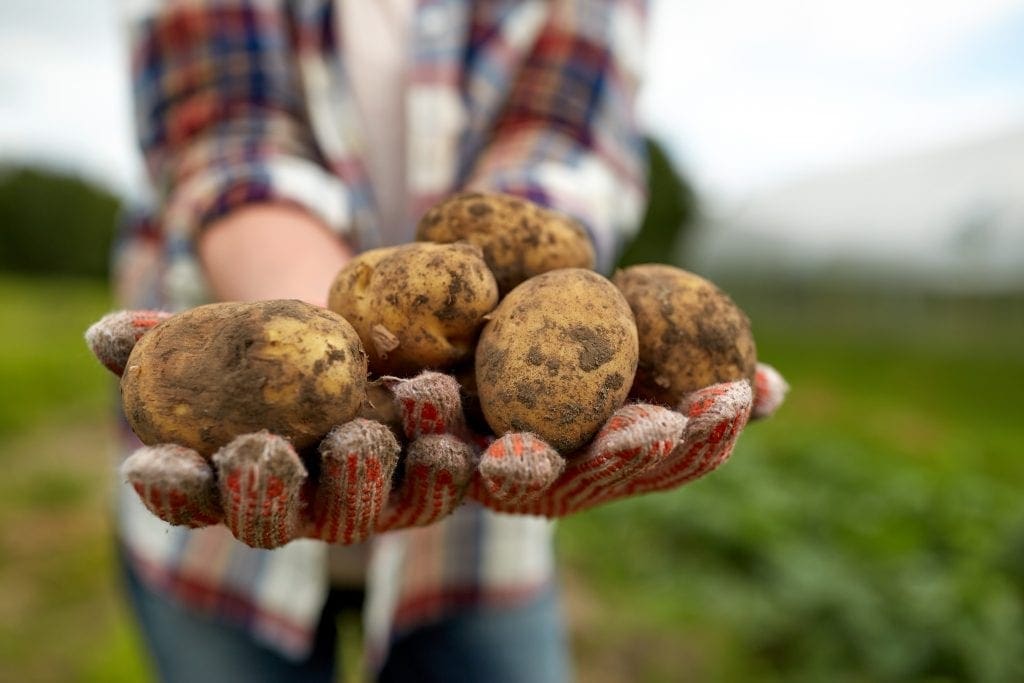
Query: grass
x: 60, y: 617
x: 44, y: 364
x: 871, y: 531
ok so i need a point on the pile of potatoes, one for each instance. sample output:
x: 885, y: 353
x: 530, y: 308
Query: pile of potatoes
x: 501, y: 293
x: 497, y: 291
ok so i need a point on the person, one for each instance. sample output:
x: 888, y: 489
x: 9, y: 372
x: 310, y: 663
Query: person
x: 281, y: 138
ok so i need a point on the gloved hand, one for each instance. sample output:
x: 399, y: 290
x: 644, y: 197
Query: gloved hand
x: 642, y: 448
x: 261, y: 489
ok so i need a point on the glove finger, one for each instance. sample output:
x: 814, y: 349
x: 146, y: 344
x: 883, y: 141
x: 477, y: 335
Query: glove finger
x: 175, y: 483
x: 769, y: 391
x: 517, y: 467
x: 112, y: 338
x: 717, y: 415
x: 357, y: 461
x: 430, y: 404
x: 261, y: 478
x: 636, y: 438
x: 437, y: 470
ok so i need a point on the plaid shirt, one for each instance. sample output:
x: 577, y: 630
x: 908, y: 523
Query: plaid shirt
x: 247, y: 101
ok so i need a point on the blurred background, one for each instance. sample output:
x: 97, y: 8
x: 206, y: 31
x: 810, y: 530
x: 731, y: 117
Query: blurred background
x: 852, y: 173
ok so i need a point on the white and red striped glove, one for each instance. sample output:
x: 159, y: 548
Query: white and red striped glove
x: 261, y: 489
x: 642, y: 448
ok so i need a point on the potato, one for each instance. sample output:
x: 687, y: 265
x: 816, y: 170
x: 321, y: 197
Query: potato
x: 519, y: 239
x: 557, y: 357
x: 416, y: 306
x: 205, y: 376
x: 691, y: 333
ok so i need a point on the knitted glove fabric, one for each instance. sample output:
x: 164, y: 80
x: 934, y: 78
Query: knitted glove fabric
x: 441, y: 457
x: 264, y: 492
x: 641, y: 449
x: 112, y: 339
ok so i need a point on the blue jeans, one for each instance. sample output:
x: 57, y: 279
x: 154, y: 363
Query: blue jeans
x: 524, y: 644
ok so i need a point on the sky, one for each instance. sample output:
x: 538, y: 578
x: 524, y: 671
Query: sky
x: 64, y: 96
x: 751, y: 93
x: 746, y: 94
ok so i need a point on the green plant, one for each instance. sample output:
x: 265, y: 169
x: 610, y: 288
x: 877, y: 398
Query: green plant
x: 54, y: 224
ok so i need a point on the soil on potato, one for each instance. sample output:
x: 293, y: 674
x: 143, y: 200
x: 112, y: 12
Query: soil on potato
x: 555, y: 359
x: 218, y: 363
x: 419, y: 306
x: 691, y: 333
x: 519, y: 239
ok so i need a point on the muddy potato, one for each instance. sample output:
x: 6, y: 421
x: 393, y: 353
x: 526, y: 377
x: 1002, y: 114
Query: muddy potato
x: 350, y: 296
x: 202, y: 377
x: 691, y: 333
x: 415, y: 306
x: 557, y: 357
x: 519, y: 239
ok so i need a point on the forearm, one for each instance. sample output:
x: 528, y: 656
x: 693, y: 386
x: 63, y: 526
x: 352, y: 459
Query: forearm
x: 222, y: 116
x: 271, y: 251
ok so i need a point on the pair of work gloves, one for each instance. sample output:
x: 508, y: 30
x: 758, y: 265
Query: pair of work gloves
x: 267, y: 495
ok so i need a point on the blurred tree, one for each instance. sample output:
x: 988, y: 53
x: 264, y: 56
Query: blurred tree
x: 671, y: 211
x: 54, y: 223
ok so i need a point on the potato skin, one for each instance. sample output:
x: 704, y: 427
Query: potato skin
x: 415, y: 306
x: 691, y: 333
x: 209, y: 374
x: 519, y: 239
x: 557, y: 357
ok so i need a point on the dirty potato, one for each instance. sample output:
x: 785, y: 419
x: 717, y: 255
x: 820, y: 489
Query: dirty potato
x: 205, y: 376
x: 415, y: 306
x: 557, y: 357
x: 691, y: 333
x: 519, y: 239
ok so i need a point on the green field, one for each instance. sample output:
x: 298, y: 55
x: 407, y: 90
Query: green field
x: 872, y: 531
x: 60, y: 619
